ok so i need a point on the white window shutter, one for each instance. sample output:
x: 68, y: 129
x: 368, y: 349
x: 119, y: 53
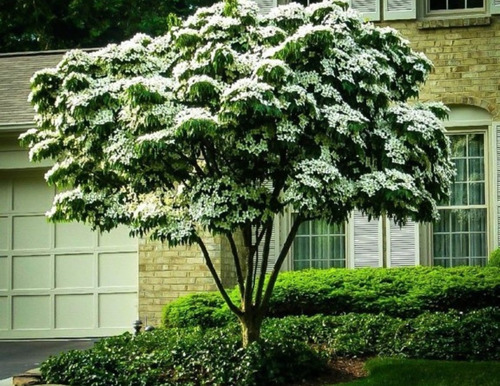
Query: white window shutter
x: 403, y: 245
x: 400, y: 9
x: 368, y: 8
x: 274, y: 248
x: 495, y: 7
x: 366, y: 243
x: 266, y: 5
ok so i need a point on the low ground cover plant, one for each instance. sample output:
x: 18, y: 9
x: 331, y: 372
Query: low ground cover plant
x: 189, y: 356
x: 292, y: 349
x: 399, y: 292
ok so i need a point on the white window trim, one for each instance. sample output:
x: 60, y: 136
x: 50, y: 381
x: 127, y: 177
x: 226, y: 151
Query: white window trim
x: 426, y: 13
x: 471, y: 127
x: 285, y: 222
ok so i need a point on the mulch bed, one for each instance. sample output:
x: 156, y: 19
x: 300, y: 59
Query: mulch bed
x: 341, y: 370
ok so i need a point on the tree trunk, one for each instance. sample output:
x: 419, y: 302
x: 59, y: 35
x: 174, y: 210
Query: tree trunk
x: 250, y: 323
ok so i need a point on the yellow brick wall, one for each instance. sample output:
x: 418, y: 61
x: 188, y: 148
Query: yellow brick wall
x: 167, y: 273
x: 466, y: 60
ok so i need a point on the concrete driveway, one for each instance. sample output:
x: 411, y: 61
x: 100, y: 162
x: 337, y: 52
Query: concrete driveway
x: 19, y: 356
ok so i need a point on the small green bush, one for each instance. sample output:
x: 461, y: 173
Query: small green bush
x: 494, y: 260
x: 399, y: 292
x: 197, y: 310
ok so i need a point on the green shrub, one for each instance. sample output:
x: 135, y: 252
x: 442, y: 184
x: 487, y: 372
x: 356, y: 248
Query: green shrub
x: 494, y: 260
x: 433, y: 335
x: 453, y: 335
x: 202, y: 310
x: 401, y: 292
x: 189, y: 356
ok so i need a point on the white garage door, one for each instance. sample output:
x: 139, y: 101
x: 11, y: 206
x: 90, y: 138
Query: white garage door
x: 60, y: 280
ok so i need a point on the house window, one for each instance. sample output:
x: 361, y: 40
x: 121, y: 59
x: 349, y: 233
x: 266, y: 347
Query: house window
x: 446, y: 5
x: 454, y: 6
x: 460, y: 236
x: 319, y: 245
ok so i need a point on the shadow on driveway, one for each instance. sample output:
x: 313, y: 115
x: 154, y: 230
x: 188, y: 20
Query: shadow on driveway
x: 19, y: 356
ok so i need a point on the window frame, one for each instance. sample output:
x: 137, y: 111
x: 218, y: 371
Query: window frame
x: 428, y: 13
x: 311, y: 236
x: 284, y: 226
x: 485, y: 130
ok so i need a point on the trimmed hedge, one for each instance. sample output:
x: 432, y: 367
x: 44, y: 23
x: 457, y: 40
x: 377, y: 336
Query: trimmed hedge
x: 432, y: 335
x: 494, y: 260
x: 197, y: 310
x: 398, y: 292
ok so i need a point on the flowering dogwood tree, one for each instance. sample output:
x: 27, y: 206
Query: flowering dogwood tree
x: 230, y: 118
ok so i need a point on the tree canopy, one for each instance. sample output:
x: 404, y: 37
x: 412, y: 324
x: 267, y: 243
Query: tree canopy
x: 56, y: 24
x: 231, y: 117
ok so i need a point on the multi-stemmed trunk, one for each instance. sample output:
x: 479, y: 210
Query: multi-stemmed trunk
x: 255, y: 291
x: 250, y: 323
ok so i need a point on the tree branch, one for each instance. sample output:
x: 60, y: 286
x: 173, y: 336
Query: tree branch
x: 255, y: 250
x: 279, y: 262
x: 239, y: 272
x: 265, y: 260
x: 247, y: 298
x: 216, y: 277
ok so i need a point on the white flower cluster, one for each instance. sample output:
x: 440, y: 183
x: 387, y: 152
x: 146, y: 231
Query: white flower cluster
x: 102, y: 117
x: 287, y: 131
x: 341, y: 116
x: 287, y: 12
x: 194, y: 114
x: 248, y: 88
x: 389, y: 179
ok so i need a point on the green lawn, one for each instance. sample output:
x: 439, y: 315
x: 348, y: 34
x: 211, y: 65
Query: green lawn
x: 403, y: 372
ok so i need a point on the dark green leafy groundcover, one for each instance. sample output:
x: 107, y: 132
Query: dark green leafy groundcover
x: 399, y: 292
x: 185, y: 357
x: 292, y: 349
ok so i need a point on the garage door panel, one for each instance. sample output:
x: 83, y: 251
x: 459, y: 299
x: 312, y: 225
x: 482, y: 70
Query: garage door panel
x: 4, y: 273
x: 69, y: 313
x: 31, y: 232
x: 75, y: 271
x: 119, y: 237
x: 4, y: 312
x: 32, y: 194
x: 118, y: 269
x: 117, y: 310
x: 5, y: 198
x: 60, y: 280
x: 31, y: 272
x: 4, y: 233
x: 31, y: 312
x: 73, y: 235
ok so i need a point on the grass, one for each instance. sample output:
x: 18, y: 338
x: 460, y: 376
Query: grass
x: 397, y: 372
